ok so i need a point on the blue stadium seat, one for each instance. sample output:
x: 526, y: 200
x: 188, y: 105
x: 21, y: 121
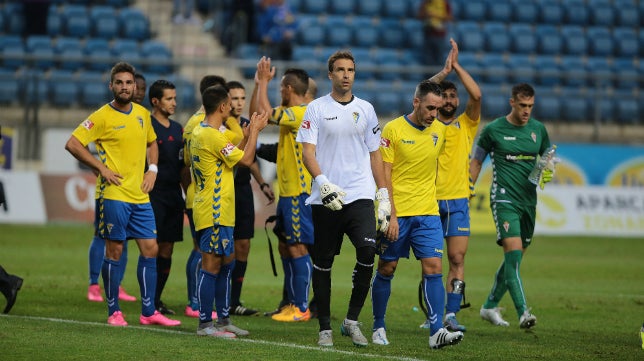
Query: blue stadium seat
x: 576, y: 107
x: 602, y: 15
x: 339, y: 31
x: 525, y: 12
x: 394, y: 9
x: 98, y: 54
x: 314, y: 6
x: 600, y: 40
x: 625, y: 42
x: 628, y: 15
x: 134, y: 24
x: 549, y: 40
x: 186, y: 92
x: 9, y: 87
x: 574, y: 71
x: 127, y: 50
x: 15, y: 19
x: 548, y: 108
x: 105, y: 22
x: 548, y: 70
x: 574, y: 39
x: 157, y: 57
x: 641, y: 41
x: 313, y: 35
x: 94, y: 90
x: 54, y: 22
x: 369, y: 7
x: 523, y: 40
x: 626, y: 110
x: 308, y: 58
x: 523, y: 71
x: 626, y: 72
x: 41, y: 48
x: 497, y: 38
x: 34, y: 88
x: 76, y: 20
x: 63, y: 88
x: 575, y: 13
x: 474, y: 10
x: 387, y: 103
x: 551, y: 12
x: 392, y: 34
x: 342, y: 7
x: 601, y: 70
x: 13, y: 54
x: 365, y: 63
x: 469, y: 36
x: 500, y: 11
x: 365, y: 32
x: 495, y: 105
x: 71, y: 50
x: 391, y: 58
x: 496, y: 71
x: 414, y: 30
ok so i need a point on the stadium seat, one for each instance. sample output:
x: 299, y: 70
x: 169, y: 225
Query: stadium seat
x: 497, y: 39
x: 9, y: 86
x: 105, y: 22
x: 186, y: 92
x: 127, y: 50
x: 71, y: 50
x: 94, y: 90
x: 522, y: 69
x: 313, y: 35
x: 98, y: 54
x: 628, y: 16
x: 63, y: 89
x: 626, y: 73
x: 548, y: 107
x: 626, y: 110
x: 308, y: 58
x: 394, y: 9
x: 76, y: 20
x: 523, y: 39
x: 13, y: 54
x: 157, y: 57
x: 576, y: 107
x: 392, y: 34
x: 600, y: 40
x: 314, y: 6
x: 365, y: 63
x: 339, y: 31
x: 495, y: 69
x: 602, y: 15
x: 524, y: 12
x: 494, y: 105
x: 369, y: 7
x: 387, y: 103
x: 551, y: 12
x: 574, y: 40
x: 549, y: 40
x: 342, y: 7
x: 575, y: 13
x: 365, y: 32
x: 41, y: 48
x: 601, y: 70
x: 548, y: 70
x: 574, y: 71
x: 35, y: 89
x: 15, y: 19
x: 625, y: 42
x: 391, y: 63
x: 54, y: 22
x: 414, y: 30
x: 474, y: 10
x: 499, y: 11
x: 469, y: 36
x: 134, y: 24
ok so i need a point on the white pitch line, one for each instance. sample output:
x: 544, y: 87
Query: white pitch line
x: 263, y: 342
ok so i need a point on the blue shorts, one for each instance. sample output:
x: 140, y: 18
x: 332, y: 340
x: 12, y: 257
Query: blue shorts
x: 217, y: 240
x: 455, y: 217
x: 423, y: 234
x: 295, y: 219
x: 120, y: 221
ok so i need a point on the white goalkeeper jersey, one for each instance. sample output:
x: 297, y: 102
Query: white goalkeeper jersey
x: 344, y: 135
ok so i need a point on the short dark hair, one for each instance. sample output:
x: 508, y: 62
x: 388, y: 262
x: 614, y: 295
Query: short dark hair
x: 522, y: 89
x: 298, y: 79
x: 121, y: 67
x: 157, y: 88
x: 212, y: 97
x: 446, y: 85
x: 139, y: 76
x: 234, y: 84
x: 427, y: 86
x: 340, y: 54
x: 211, y: 80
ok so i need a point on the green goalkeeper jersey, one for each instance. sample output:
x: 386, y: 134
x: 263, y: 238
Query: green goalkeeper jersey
x: 513, y: 151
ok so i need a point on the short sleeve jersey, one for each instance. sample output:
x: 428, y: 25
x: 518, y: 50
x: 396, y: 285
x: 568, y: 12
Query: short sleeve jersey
x: 213, y: 158
x: 344, y: 135
x: 413, y: 152
x: 121, y: 140
x: 453, y: 181
x: 292, y: 177
x: 513, y: 151
x: 170, y: 143
x: 195, y: 119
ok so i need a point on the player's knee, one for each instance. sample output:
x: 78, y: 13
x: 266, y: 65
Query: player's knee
x: 366, y: 255
x: 322, y: 264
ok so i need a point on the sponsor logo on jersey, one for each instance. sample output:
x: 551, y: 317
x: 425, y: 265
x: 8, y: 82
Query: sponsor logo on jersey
x: 331, y: 118
x: 384, y: 142
x: 227, y: 149
x: 376, y: 129
x: 405, y: 141
x: 306, y: 124
x: 87, y: 124
x: 509, y: 138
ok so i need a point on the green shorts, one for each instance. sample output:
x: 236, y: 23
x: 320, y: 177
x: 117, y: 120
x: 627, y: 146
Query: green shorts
x: 513, y: 220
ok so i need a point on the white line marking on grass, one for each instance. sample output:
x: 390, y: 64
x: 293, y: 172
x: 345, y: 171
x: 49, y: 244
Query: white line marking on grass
x: 262, y: 342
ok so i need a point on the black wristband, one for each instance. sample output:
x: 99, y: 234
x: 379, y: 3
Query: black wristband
x: 261, y: 186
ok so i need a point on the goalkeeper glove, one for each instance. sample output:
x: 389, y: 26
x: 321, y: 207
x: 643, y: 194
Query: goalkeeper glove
x: 332, y: 196
x: 384, y: 208
x: 546, y: 177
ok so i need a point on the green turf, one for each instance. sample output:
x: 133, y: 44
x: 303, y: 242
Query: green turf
x: 588, y: 295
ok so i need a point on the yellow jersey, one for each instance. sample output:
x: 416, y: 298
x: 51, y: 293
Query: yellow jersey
x: 453, y: 181
x: 121, y: 140
x: 213, y: 157
x: 293, y: 178
x: 413, y: 152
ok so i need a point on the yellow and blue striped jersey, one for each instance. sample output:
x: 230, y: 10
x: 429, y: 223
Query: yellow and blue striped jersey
x: 121, y: 140
x: 213, y: 157
x: 292, y: 177
x: 413, y: 152
x: 453, y: 181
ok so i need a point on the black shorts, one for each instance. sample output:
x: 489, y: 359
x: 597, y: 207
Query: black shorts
x: 244, y: 212
x: 357, y: 220
x: 168, y: 208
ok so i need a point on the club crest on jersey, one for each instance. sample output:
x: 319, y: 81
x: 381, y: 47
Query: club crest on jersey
x: 434, y: 138
x: 306, y: 124
x: 227, y: 149
x: 384, y: 142
x: 356, y: 117
x: 87, y: 124
x: 533, y: 136
x: 506, y: 226
x: 140, y: 119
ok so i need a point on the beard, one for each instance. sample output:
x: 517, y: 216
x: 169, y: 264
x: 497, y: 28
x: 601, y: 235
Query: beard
x: 123, y: 98
x: 447, y: 113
